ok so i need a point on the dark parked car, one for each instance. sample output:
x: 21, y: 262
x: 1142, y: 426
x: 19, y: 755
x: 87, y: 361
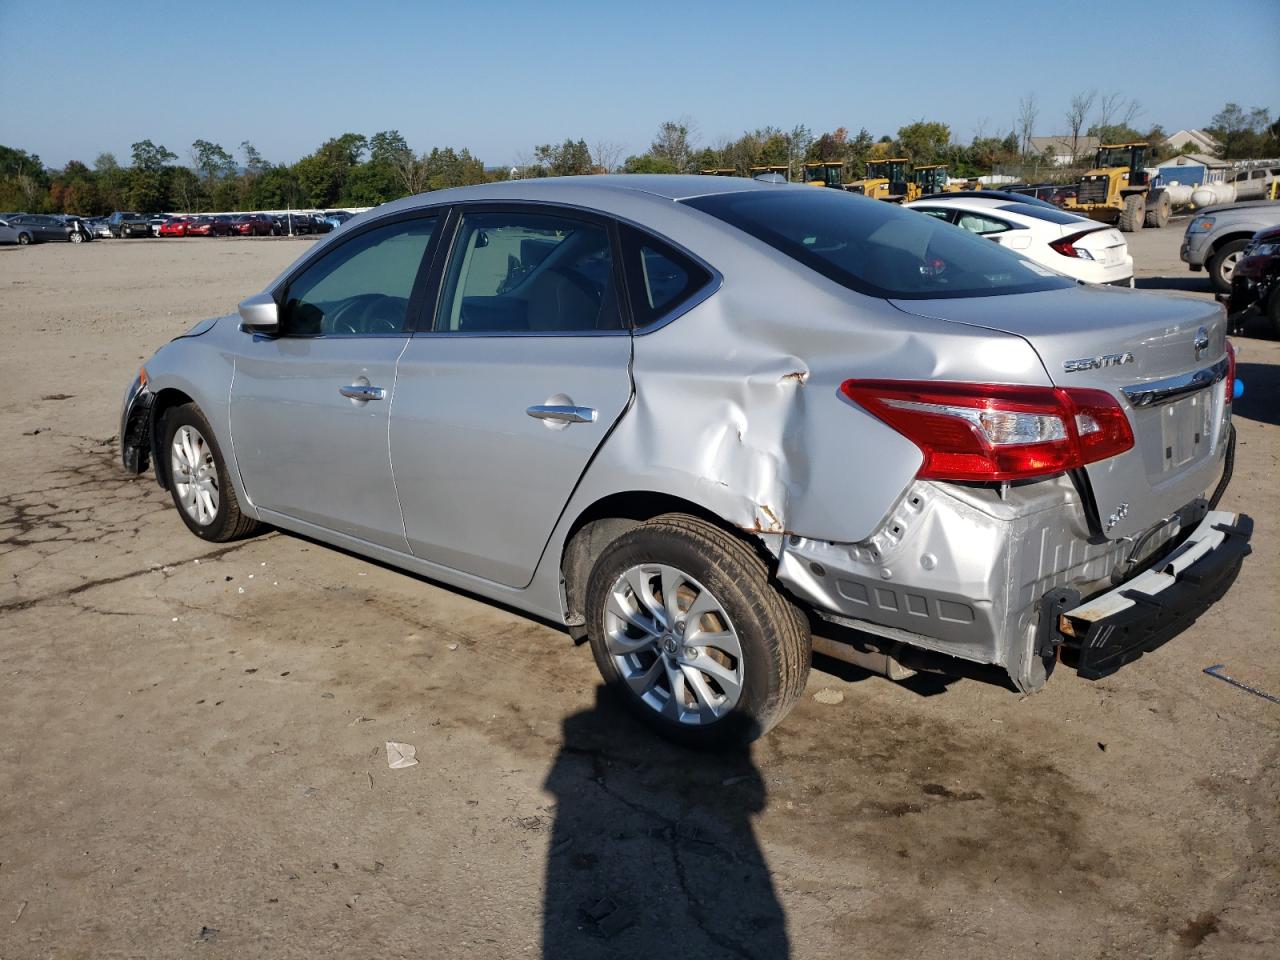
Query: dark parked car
x: 124, y: 224
x: 1255, y: 282
x: 253, y: 225
x: 42, y: 228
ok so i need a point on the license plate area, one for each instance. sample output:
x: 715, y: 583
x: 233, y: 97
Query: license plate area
x: 1184, y: 431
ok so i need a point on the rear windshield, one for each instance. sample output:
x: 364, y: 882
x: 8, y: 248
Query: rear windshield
x: 1052, y: 214
x: 878, y: 248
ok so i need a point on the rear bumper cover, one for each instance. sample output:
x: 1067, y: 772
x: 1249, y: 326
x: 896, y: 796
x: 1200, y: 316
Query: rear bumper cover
x: 1119, y: 626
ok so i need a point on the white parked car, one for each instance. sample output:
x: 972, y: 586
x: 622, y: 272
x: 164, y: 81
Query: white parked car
x: 1081, y: 248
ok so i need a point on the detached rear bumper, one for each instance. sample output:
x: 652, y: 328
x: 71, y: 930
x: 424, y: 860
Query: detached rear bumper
x: 1119, y: 626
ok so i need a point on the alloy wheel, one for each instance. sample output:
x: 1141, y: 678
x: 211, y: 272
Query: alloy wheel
x: 673, y: 644
x: 195, y: 475
x: 1228, y: 267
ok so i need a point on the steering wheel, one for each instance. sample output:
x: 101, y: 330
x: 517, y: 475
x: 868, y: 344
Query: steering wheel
x: 356, y: 315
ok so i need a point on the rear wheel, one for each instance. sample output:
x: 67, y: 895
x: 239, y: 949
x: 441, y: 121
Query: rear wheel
x: 686, y: 627
x: 24, y: 239
x: 76, y: 236
x: 1222, y: 265
x: 1134, y: 212
x: 1158, y: 211
x: 198, y: 478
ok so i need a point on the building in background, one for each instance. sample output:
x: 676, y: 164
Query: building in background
x: 1197, y: 140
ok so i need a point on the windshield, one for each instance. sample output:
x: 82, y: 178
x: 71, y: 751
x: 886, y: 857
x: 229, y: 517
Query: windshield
x: 1114, y: 157
x: 877, y: 248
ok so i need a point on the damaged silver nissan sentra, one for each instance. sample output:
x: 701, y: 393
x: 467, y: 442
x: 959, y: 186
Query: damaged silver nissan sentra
x: 711, y: 425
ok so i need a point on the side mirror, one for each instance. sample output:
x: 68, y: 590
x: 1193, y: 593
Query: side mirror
x: 260, y: 314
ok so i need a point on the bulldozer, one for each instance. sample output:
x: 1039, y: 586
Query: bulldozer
x: 1117, y: 190
x: 824, y: 173
x: 887, y: 180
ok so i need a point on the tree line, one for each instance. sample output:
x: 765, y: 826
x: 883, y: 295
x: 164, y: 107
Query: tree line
x: 357, y: 170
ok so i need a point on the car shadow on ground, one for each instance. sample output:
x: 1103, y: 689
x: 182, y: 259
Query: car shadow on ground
x: 1191, y: 284
x: 1261, y: 400
x: 652, y: 849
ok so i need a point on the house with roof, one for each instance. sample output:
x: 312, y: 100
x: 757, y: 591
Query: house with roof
x: 1058, y: 149
x: 1191, y: 170
x: 1199, y: 141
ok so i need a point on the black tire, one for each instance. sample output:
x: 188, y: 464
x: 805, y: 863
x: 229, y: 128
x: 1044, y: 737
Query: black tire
x: 1159, y: 210
x: 24, y: 239
x: 76, y: 237
x: 772, y: 632
x: 227, y: 523
x: 1134, y: 212
x: 1223, y: 263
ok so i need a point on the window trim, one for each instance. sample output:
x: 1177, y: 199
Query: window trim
x: 418, y: 291
x: 432, y: 310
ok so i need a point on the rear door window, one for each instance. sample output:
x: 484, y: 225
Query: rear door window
x: 983, y: 226
x: 534, y: 273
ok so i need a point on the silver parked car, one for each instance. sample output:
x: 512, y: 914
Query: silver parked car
x: 711, y: 424
x: 1216, y: 237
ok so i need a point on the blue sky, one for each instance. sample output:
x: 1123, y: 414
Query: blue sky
x: 498, y: 77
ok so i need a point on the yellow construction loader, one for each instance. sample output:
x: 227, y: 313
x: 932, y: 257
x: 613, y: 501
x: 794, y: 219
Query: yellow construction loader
x: 931, y: 178
x: 781, y: 169
x: 1118, y: 190
x: 887, y: 180
x: 824, y: 173
x: 719, y: 172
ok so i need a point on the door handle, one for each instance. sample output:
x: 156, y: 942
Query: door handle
x: 362, y: 391
x: 562, y: 413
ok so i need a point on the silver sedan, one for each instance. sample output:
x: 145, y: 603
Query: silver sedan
x: 711, y: 425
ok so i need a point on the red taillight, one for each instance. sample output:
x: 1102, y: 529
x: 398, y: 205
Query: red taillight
x: 1066, y: 246
x: 991, y: 431
x: 1231, y: 371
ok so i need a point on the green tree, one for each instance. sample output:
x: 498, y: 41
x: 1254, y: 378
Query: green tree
x: 648, y: 163
x: 1243, y: 134
x: 568, y: 159
x: 924, y: 141
x: 674, y: 143
x: 149, y: 176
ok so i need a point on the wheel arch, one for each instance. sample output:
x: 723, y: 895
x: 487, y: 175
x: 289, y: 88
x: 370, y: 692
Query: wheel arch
x: 608, y: 518
x: 1228, y: 237
x: 166, y: 399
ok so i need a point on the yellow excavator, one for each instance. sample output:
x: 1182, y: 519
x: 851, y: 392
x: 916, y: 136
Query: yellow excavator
x: 1118, y: 190
x: 824, y: 173
x: 887, y: 180
x: 759, y: 170
x: 719, y: 172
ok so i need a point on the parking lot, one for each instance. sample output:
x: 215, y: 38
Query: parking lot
x: 194, y: 760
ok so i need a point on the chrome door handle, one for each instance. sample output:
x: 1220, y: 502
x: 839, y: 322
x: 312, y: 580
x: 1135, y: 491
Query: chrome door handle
x: 562, y: 413
x: 362, y: 391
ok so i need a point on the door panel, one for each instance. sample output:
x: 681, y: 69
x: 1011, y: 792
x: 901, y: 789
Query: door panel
x: 481, y: 481
x: 305, y: 450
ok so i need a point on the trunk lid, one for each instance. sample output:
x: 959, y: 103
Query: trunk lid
x: 1107, y: 245
x: 1127, y: 344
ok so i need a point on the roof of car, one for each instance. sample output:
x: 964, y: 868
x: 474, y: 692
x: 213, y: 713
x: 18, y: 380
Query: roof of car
x: 584, y: 189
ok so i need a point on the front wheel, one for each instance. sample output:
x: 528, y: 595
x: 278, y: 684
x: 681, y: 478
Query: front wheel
x: 1133, y: 213
x: 198, y: 478
x: 686, y: 627
x: 1222, y: 265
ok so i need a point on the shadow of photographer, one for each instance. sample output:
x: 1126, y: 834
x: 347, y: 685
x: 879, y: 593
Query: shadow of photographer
x: 653, y: 847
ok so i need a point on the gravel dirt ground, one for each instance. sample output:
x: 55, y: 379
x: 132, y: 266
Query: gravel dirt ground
x: 193, y: 760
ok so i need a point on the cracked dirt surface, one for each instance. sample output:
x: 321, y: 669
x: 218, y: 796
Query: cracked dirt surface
x: 193, y: 753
